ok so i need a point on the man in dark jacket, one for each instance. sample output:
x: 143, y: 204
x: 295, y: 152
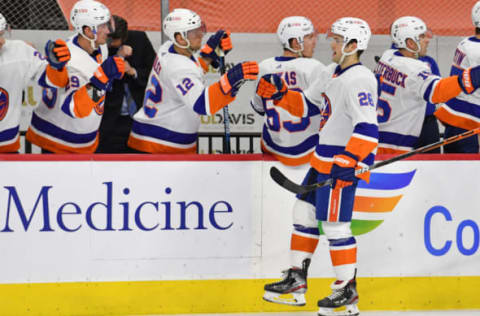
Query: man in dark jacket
x: 126, y: 95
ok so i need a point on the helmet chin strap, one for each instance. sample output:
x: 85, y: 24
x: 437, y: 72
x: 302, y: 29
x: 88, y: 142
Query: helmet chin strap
x: 417, y: 51
x: 91, y: 41
x: 345, y: 54
x: 299, y: 52
x: 187, y: 47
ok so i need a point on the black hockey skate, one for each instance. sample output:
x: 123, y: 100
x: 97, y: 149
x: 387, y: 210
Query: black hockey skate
x: 343, y: 300
x: 291, y: 289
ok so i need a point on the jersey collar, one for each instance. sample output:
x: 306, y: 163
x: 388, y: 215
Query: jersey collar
x: 339, y: 71
x: 173, y: 51
x: 474, y: 39
x: 284, y: 58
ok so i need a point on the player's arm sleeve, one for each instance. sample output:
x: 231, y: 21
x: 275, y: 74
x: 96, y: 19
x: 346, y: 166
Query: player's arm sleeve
x: 41, y: 72
x: 204, y: 100
x: 361, y: 106
x: 81, y: 98
x: 435, y: 89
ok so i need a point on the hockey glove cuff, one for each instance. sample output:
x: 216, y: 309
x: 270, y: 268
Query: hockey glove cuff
x: 469, y: 80
x: 237, y: 75
x: 271, y: 86
x: 57, y: 53
x: 112, y: 68
x: 343, y: 170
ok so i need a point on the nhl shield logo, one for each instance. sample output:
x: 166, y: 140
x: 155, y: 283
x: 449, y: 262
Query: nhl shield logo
x: 4, y: 103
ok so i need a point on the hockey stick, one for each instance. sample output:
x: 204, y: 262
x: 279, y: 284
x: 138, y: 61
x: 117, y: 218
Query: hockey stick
x: 291, y: 186
x: 226, y: 119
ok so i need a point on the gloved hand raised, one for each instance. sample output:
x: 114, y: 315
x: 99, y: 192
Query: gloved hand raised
x: 343, y: 170
x: 220, y: 39
x: 237, y: 75
x: 112, y: 68
x: 57, y: 53
x: 271, y: 86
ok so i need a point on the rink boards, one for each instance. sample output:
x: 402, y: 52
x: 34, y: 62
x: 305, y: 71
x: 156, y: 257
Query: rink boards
x: 96, y: 235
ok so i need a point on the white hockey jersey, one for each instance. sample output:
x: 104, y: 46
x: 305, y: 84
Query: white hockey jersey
x: 56, y: 125
x: 289, y: 138
x: 175, y: 97
x: 464, y: 110
x: 351, y: 94
x: 19, y: 63
x: 407, y: 85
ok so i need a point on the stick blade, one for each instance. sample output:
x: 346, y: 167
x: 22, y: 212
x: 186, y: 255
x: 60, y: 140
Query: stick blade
x: 287, y: 184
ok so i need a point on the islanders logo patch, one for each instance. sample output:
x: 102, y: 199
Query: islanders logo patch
x: 4, y: 103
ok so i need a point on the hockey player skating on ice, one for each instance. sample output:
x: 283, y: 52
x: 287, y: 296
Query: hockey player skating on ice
x: 463, y: 112
x: 176, y: 93
x: 20, y: 63
x: 67, y: 120
x: 348, y: 140
x: 408, y: 84
x: 292, y: 141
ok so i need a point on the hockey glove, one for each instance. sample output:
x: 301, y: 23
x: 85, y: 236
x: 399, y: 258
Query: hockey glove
x: 469, y: 80
x: 112, y: 68
x: 235, y: 77
x: 271, y: 86
x: 57, y: 53
x: 343, y: 170
x: 220, y: 39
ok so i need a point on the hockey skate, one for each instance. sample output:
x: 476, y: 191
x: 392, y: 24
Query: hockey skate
x: 291, y: 290
x: 343, y: 300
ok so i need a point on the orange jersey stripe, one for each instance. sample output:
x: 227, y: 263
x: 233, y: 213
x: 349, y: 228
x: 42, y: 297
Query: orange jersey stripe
x: 446, y: 89
x: 360, y: 147
x: 305, y: 244
x: 58, y: 77
x: 344, y: 256
x: 292, y: 102
x: 375, y: 205
x: 155, y: 148
x: 216, y: 99
x: 11, y: 148
x: 443, y: 115
x: 203, y: 64
x: 57, y: 148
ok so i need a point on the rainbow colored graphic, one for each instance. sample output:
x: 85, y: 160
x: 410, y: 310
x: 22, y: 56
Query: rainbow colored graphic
x: 376, y: 199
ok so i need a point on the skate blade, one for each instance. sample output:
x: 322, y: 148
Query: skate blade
x: 347, y: 310
x: 294, y: 299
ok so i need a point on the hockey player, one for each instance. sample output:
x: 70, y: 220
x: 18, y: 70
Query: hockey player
x: 463, y: 112
x: 67, y: 120
x: 348, y: 140
x: 292, y: 141
x: 176, y: 94
x: 20, y: 63
x: 408, y: 84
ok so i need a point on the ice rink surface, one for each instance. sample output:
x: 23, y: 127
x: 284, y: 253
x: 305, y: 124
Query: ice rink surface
x: 381, y: 313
